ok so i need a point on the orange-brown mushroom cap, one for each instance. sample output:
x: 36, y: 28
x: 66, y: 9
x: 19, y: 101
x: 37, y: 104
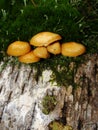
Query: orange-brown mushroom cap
x: 41, y: 52
x: 44, y: 38
x: 72, y: 49
x: 54, y: 48
x: 18, y: 48
x: 29, y: 58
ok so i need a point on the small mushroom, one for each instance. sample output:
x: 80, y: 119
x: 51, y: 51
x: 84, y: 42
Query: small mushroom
x: 72, y: 49
x: 54, y: 48
x: 44, y: 38
x: 29, y: 58
x: 18, y: 48
x: 41, y: 52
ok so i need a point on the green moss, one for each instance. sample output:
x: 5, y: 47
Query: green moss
x: 73, y: 21
x: 22, y: 22
x: 56, y: 126
x: 64, y: 69
x: 49, y: 102
x: 59, y: 126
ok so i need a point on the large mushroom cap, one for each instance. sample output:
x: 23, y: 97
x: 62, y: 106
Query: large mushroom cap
x: 29, y: 58
x: 18, y: 48
x: 44, y: 38
x: 72, y: 49
x: 54, y: 48
x: 41, y: 52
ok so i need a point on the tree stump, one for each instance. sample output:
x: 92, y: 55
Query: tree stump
x: 21, y: 98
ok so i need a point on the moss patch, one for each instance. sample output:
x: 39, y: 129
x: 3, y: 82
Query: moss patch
x: 59, y: 126
x: 49, y: 102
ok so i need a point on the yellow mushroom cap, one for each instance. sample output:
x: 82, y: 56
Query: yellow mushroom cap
x: 29, y: 58
x: 44, y: 38
x: 54, y: 48
x: 41, y: 52
x: 18, y: 48
x: 72, y: 49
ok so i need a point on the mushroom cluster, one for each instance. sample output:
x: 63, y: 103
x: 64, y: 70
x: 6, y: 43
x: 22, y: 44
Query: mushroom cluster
x: 45, y: 44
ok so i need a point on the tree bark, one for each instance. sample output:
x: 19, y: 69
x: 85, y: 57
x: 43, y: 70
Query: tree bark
x: 81, y: 106
x: 21, y: 98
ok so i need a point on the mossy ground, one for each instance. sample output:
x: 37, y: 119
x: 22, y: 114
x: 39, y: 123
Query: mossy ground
x: 73, y: 20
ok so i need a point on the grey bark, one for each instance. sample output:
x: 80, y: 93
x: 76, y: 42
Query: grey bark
x: 82, y: 111
x: 21, y: 96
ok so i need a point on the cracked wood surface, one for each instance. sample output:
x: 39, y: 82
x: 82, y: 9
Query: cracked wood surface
x: 21, y: 96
